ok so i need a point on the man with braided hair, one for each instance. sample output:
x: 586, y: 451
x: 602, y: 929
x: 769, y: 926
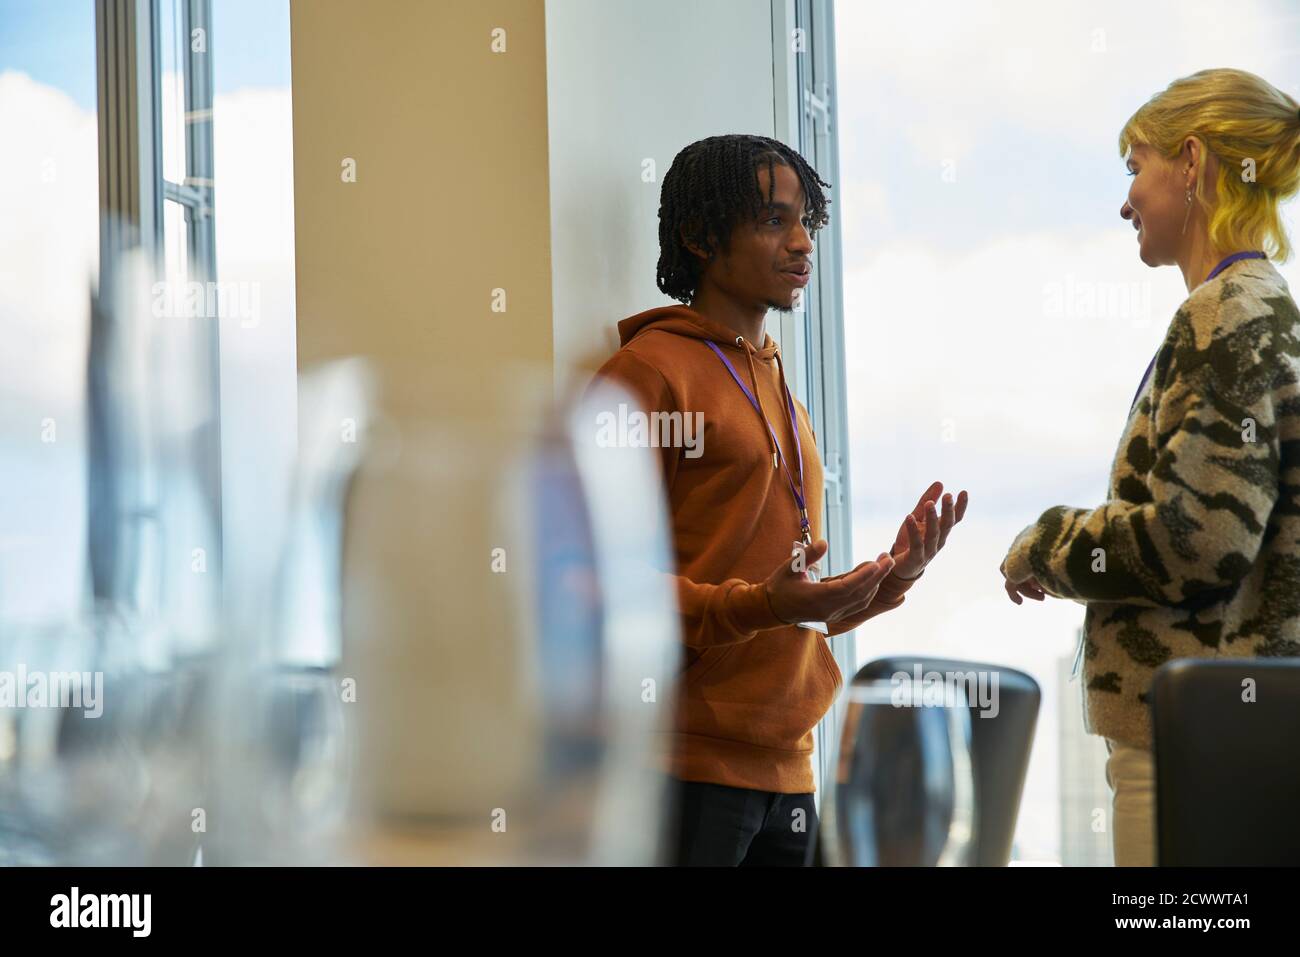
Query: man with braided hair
x: 737, y: 218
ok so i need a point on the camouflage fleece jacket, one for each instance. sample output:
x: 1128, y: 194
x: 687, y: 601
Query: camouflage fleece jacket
x: 1196, y: 552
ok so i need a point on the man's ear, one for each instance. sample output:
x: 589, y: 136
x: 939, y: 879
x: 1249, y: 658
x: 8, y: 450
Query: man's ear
x: 684, y: 233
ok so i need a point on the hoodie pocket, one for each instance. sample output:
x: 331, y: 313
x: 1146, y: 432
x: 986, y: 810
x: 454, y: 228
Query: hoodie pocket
x: 768, y: 692
x: 708, y: 659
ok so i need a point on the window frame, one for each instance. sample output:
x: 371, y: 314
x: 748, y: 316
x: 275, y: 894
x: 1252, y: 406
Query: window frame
x: 127, y: 509
x: 805, y: 118
x: 195, y: 194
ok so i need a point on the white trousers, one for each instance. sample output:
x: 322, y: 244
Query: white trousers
x: 1130, y: 772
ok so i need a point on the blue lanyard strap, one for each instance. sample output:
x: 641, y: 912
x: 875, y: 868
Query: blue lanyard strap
x: 1235, y: 257
x: 797, y: 492
x: 1227, y: 261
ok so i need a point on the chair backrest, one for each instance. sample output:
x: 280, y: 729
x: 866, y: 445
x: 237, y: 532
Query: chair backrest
x: 1227, y: 778
x: 1001, y: 737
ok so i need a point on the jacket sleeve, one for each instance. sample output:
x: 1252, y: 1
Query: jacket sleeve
x: 1197, y: 518
x: 712, y: 614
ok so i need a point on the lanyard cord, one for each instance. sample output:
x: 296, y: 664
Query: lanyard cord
x: 797, y: 492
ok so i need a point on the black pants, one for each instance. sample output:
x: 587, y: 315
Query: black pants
x: 721, y: 826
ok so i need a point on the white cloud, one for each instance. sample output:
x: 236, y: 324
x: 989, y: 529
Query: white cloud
x: 1021, y: 62
x: 49, y: 191
x: 959, y: 360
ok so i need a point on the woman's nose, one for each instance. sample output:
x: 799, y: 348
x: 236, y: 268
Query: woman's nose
x: 1126, y: 211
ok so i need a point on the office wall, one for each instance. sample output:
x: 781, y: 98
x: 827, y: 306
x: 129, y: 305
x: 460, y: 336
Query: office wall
x: 402, y: 267
x: 629, y: 82
x: 522, y: 170
x: 478, y: 171
x: 450, y: 199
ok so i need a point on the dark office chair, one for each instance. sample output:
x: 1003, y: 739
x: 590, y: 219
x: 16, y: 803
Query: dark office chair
x: 1227, y: 779
x: 1000, y: 748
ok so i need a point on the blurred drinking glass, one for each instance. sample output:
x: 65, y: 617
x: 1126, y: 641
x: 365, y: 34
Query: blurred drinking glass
x: 903, y: 790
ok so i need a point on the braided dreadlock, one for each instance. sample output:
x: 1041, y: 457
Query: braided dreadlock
x: 713, y: 185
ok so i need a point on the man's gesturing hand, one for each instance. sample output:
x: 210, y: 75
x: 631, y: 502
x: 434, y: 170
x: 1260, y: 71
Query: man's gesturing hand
x: 794, y: 598
x: 925, y: 531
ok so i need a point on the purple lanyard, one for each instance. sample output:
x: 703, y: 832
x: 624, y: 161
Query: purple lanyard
x: 1235, y: 257
x: 794, y: 424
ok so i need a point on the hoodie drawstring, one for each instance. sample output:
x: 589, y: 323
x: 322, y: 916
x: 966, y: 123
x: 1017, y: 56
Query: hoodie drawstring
x: 794, y: 426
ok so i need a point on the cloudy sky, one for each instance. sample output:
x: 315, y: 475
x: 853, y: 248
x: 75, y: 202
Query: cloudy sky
x: 980, y: 195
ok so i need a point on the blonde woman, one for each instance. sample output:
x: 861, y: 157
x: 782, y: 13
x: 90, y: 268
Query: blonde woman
x: 1196, y: 552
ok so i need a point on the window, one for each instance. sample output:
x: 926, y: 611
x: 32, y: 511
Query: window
x: 981, y: 190
x: 253, y: 162
x: 180, y: 112
x: 803, y: 69
x: 155, y: 534
x: 185, y: 29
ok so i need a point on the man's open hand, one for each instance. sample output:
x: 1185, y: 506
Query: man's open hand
x: 925, y: 530
x: 795, y: 598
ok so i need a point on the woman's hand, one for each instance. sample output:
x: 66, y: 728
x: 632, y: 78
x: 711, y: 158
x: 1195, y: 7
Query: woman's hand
x: 925, y: 530
x: 1029, y: 588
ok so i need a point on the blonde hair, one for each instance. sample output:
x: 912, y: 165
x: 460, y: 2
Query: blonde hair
x: 1254, y: 130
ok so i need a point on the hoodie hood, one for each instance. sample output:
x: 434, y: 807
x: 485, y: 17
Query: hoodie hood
x: 685, y: 321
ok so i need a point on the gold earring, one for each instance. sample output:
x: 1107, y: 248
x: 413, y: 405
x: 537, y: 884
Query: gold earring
x: 1189, y: 211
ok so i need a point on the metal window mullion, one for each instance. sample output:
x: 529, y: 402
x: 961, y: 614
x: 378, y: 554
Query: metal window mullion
x: 831, y: 338
x: 830, y: 722
x: 143, y: 79
x: 803, y: 95
x: 199, y: 215
x: 184, y: 195
x: 130, y: 139
x: 132, y: 195
x: 196, y: 14
x: 121, y: 498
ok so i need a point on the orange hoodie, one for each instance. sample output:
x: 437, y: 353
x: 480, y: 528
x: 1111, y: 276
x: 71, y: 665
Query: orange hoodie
x: 753, y: 687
